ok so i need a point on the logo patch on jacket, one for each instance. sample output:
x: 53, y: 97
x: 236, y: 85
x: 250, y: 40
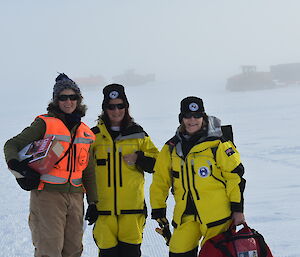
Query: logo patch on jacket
x: 229, y: 151
x: 86, y: 134
x: 204, y: 172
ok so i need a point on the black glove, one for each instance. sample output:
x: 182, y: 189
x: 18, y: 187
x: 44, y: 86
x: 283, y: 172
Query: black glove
x: 28, y: 184
x: 164, y: 229
x: 23, y: 168
x: 31, y: 178
x: 91, y: 214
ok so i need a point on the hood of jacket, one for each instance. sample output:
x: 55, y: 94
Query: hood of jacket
x: 213, y: 130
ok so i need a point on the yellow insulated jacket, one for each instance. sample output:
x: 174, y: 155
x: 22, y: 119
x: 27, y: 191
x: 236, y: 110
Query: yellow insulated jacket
x: 211, y: 173
x: 121, y: 186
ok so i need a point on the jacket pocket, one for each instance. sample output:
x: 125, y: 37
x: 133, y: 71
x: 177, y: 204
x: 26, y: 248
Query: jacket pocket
x: 83, y: 156
x: 175, y: 174
x: 101, y: 162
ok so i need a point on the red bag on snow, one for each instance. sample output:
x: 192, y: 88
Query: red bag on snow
x: 246, y: 242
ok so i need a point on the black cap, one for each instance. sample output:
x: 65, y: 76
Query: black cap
x: 114, y: 91
x: 190, y: 104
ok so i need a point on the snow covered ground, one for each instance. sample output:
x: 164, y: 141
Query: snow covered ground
x: 266, y: 129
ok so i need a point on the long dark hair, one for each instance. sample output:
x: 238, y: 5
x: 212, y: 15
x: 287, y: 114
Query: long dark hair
x: 126, y: 122
x: 80, y: 107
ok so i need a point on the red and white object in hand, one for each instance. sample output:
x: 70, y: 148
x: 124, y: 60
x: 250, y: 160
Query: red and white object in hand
x: 44, y: 153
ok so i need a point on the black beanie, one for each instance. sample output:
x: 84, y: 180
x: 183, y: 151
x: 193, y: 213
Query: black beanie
x: 190, y: 104
x: 64, y: 82
x: 114, y: 91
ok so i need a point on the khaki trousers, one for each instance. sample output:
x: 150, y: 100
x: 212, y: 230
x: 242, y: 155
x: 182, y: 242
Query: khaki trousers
x: 56, y: 223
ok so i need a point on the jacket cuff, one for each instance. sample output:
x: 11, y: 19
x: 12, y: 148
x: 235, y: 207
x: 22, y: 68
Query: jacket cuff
x: 236, y: 207
x: 158, y: 213
x: 144, y: 163
x: 140, y: 158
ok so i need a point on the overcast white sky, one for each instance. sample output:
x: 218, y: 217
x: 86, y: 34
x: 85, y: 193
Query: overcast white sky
x: 198, y: 40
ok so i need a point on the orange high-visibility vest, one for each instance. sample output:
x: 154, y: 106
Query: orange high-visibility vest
x: 70, y: 167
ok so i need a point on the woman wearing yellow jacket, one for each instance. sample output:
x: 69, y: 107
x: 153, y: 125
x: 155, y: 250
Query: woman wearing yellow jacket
x: 205, y: 173
x: 122, y: 152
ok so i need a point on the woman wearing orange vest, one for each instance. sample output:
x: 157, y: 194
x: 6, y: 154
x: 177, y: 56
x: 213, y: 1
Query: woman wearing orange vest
x: 56, y: 198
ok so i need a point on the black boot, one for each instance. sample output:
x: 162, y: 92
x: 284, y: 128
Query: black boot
x: 129, y: 250
x: 110, y: 252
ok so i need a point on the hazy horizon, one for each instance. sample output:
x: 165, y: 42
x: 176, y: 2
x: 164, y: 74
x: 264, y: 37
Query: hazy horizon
x: 204, y: 41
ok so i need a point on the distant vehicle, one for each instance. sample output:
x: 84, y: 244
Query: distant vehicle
x: 250, y: 79
x: 130, y: 78
x: 279, y: 76
x: 288, y: 73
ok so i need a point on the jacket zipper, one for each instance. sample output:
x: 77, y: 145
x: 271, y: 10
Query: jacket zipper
x: 120, y: 166
x: 74, y: 158
x: 108, y: 166
x: 219, y: 180
x: 182, y: 179
x: 211, y: 170
x: 115, y: 179
x: 189, y: 188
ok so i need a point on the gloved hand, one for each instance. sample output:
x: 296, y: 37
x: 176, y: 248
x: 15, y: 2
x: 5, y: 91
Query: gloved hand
x: 164, y: 229
x: 30, y: 179
x: 23, y: 168
x: 28, y: 184
x: 91, y: 214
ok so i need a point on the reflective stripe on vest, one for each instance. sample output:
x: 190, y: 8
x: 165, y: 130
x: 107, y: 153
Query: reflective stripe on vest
x: 60, y: 137
x: 59, y: 180
x: 78, y: 140
x: 53, y: 179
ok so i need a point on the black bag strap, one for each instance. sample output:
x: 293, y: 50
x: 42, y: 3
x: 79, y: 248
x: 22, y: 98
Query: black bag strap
x: 69, y: 149
x: 219, y: 245
x: 262, y: 244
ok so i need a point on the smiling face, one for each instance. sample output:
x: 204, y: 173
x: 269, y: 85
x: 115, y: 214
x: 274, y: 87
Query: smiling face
x: 192, y: 125
x: 116, y: 115
x: 68, y: 106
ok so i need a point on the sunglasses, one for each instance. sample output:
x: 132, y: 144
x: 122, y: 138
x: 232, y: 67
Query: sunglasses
x: 196, y: 115
x: 66, y: 97
x: 114, y: 106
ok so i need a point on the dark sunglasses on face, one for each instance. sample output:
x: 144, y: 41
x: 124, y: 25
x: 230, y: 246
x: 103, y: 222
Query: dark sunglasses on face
x: 66, y: 97
x: 114, y: 106
x: 196, y: 115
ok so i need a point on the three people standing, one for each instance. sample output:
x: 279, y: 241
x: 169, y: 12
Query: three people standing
x: 201, y: 167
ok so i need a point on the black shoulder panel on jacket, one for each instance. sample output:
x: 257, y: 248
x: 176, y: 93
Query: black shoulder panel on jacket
x: 227, y: 133
x: 134, y: 128
x: 95, y: 130
x: 173, y: 141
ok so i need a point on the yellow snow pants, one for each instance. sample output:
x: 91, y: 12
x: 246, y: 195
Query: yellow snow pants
x: 111, y: 229
x: 187, y: 236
